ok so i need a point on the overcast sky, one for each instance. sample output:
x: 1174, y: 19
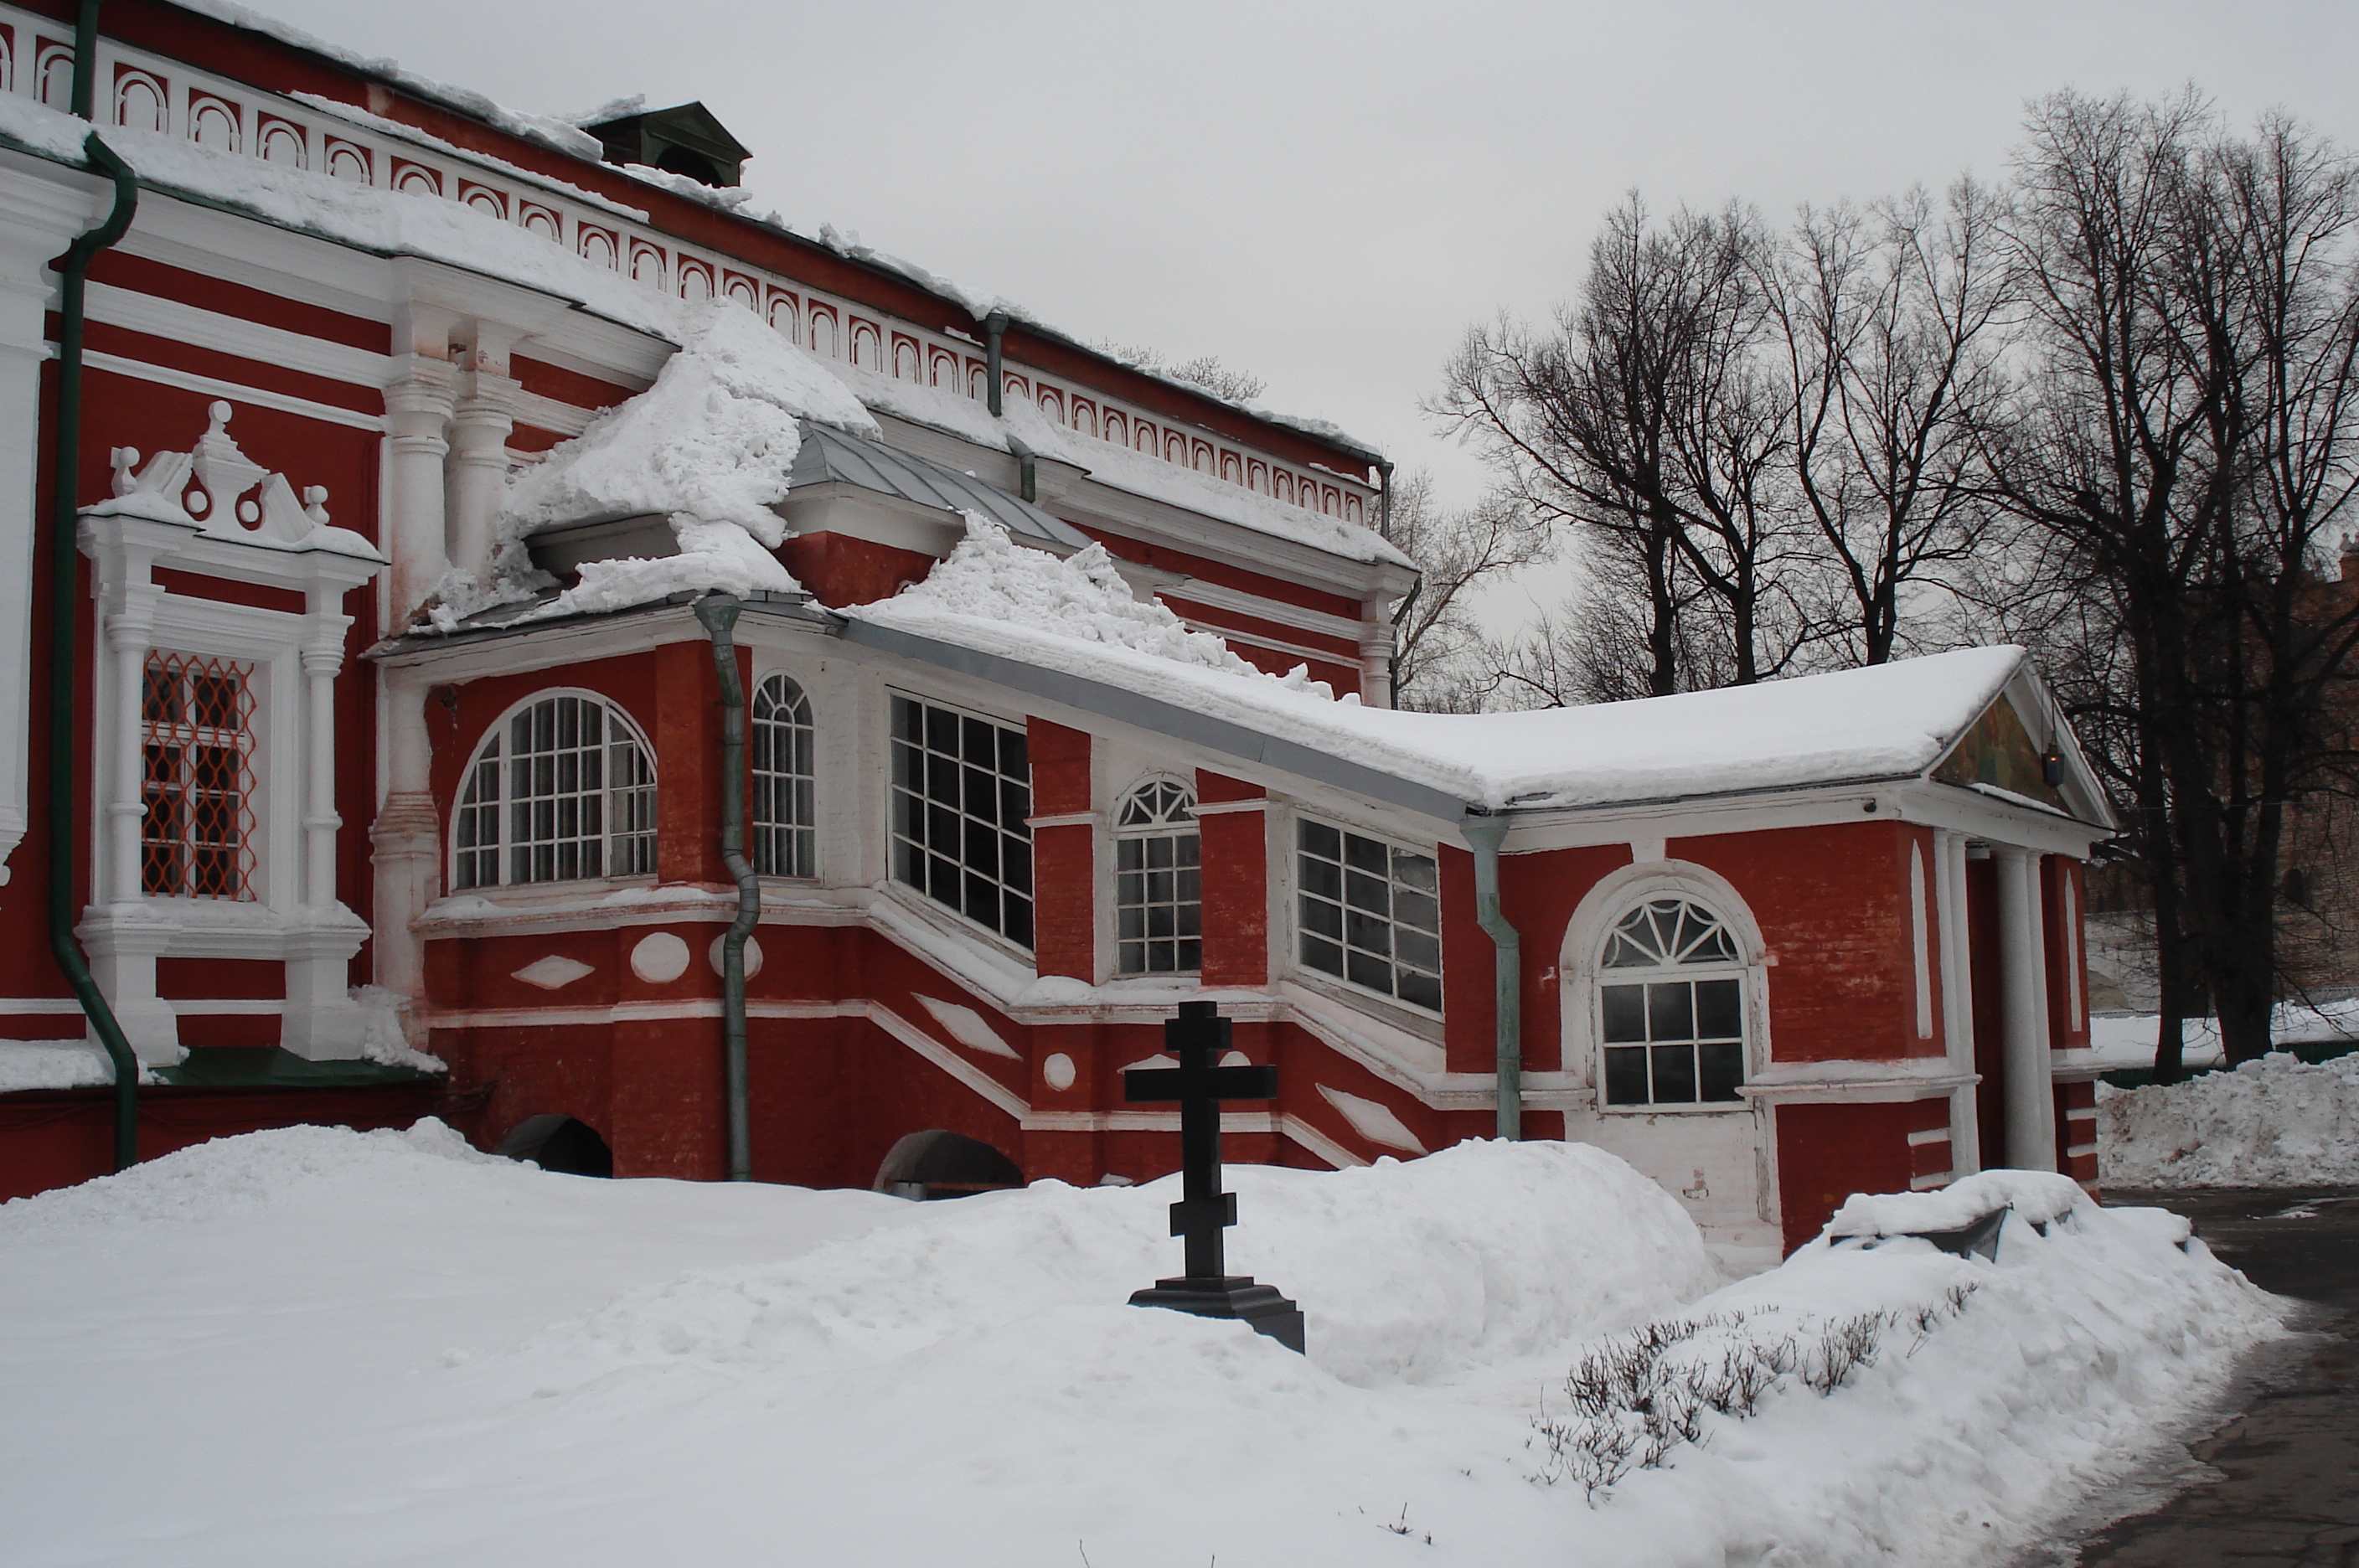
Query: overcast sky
x: 1327, y: 195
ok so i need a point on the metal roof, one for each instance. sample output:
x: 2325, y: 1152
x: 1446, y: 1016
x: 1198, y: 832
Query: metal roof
x: 828, y: 454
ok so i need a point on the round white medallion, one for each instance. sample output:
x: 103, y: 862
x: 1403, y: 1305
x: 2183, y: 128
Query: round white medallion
x: 1057, y: 1071
x: 659, y: 957
x: 753, y: 954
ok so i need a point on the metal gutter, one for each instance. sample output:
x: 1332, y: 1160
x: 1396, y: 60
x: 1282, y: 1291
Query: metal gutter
x: 719, y: 614
x: 1485, y: 833
x: 65, y: 469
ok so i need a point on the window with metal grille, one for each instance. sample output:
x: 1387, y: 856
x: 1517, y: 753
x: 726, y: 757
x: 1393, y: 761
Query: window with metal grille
x: 563, y: 790
x: 1670, y: 1007
x: 962, y: 790
x: 1159, y: 901
x: 1370, y: 913
x: 196, y: 747
x: 785, y: 814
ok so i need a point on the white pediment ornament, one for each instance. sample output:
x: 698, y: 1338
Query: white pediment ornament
x: 215, y: 488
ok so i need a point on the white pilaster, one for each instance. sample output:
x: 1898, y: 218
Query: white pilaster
x: 1957, y: 996
x: 417, y: 412
x: 2023, y: 969
x: 483, y: 417
x: 405, y: 838
x: 39, y: 218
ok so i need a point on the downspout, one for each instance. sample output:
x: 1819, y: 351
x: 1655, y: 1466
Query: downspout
x: 1485, y: 831
x: 994, y: 329
x: 65, y: 467
x: 1027, y: 473
x: 719, y: 614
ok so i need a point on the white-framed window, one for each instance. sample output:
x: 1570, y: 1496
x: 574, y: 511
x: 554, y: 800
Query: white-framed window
x: 197, y: 777
x: 785, y: 803
x: 1670, y: 1006
x: 562, y: 789
x: 962, y: 790
x: 1159, y: 899
x: 1369, y: 912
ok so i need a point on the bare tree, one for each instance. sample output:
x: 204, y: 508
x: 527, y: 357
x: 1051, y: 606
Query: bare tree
x: 1205, y: 371
x: 1890, y: 324
x: 1457, y: 551
x: 2180, y: 455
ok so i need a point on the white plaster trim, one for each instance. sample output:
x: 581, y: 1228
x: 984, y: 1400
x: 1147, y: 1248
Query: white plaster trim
x: 326, y: 413
x: 1244, y: 604
x: 1927, y: 1184
x: 1067, y: 819
x: 158, y: 316
x: 39, y: 1007
x: 1229, y: 808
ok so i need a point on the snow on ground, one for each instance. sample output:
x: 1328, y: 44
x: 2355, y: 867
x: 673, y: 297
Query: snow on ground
x: 2278, y: 1122
x: 2129, y: 1042
x: 53, y: 1064
x: 315, y: 1346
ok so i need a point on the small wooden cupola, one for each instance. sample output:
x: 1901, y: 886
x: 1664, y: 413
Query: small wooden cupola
x: 684, y: 140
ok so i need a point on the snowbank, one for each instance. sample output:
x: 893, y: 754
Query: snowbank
x: 53, y: 1064
x: 2128, y: 1042
x: 285, y: 1333
x: 992, y: 579
x: 2278, y: 1122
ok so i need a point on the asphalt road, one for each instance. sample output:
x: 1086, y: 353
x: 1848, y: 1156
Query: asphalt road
x: 2278, y: 1484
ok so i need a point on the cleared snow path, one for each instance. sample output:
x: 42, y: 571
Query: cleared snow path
x: 316, y: 1346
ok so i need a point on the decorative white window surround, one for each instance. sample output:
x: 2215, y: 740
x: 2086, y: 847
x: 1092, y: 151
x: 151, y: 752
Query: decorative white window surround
x: 253, y: 529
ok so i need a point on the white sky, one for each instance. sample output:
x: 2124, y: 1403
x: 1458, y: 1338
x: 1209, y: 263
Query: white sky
x: 1328, y: 195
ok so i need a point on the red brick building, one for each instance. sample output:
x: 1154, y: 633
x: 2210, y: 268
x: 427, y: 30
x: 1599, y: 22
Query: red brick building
x: 342, y: 792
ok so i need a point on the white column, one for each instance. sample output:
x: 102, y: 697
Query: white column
x: 2023, y: 969
x: 483, y: 419
x: 129, y: 634
x: 418, y: 411
x: 39, y: 218
x: 321, y: 659
x: 1957, y: 996
x: 407, y: 836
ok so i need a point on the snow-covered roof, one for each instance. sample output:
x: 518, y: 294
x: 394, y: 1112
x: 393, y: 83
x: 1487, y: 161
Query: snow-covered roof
x: 1893, y: 721
x: 830, y: 456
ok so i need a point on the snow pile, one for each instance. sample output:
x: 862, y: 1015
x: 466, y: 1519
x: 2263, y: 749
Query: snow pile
x: 710, y: 446
x: 991, y: 578
x: 2035, y: 1197
x: 2278, y: 1122
x: 485, y: 1362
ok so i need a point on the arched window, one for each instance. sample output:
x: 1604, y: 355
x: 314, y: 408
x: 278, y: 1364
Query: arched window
x: 1159, y: 901
x: 786, y: 813
x: 562, y: 790
x: 1670, y: 1007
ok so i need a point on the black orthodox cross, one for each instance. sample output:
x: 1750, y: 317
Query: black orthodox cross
x: 1199, y: 1036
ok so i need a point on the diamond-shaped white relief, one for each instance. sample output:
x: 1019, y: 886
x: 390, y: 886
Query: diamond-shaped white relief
x: 554, y: 973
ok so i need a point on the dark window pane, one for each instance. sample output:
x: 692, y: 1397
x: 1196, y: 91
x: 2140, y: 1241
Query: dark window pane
x: 1670, y: 1013
x: 1322, y: 878
x: 1015, y: 754
x: 1130, y: 922
x: 1321, y: 840
x: 1417, y: 909
x: 1625, y: 1009
x: 1720, y: 1009
x: 1365, y: 854
x: 1129, y: 854
x: 1418, y: 950
x: 1322, y: 955
x: 1425, y: 990
x: 1323, y: 918
x: 1625, y: 1076
x: 1363, y: 891
x: 1368, y: 933
x: 1018, y: 916
x: 1674, y: 1075
x: 1722, y: 1070
x: 1375, y: 974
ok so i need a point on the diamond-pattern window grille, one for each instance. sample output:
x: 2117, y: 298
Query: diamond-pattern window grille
x: 196, y: 747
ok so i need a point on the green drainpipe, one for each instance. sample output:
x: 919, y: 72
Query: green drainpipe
x: 719, y: 614
x: 1485, y: 833
x: 65, y: 468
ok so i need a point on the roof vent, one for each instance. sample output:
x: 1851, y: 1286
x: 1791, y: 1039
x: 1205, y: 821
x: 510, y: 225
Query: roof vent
x: 685, y: 140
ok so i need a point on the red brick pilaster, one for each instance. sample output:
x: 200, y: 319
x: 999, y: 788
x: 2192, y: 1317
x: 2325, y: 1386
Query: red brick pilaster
x: 1064, y: 854
x: 1235, y: 881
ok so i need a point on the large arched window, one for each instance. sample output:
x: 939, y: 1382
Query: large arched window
x: 786, y: 809
x: 562, y: 790
x: 1159, y: 902
x: 1670, y: 1007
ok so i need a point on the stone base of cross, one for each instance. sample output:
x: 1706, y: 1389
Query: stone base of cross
x: 1197, y: 1037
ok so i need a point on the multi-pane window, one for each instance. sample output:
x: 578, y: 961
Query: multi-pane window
x: 785, y: 803
x: 1159, y: 903
x: 962, y: 790
x: 1671, y: 1007
x: 563, y: 790
x: 1370, y: 913
x: 195, y: 749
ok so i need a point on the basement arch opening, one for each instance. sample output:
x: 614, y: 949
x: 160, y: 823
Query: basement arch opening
x: 558, y: 1142
x: 940, y: 1163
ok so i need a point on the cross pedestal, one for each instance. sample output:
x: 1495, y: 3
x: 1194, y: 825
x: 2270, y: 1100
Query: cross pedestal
x: 1197, y: 1037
